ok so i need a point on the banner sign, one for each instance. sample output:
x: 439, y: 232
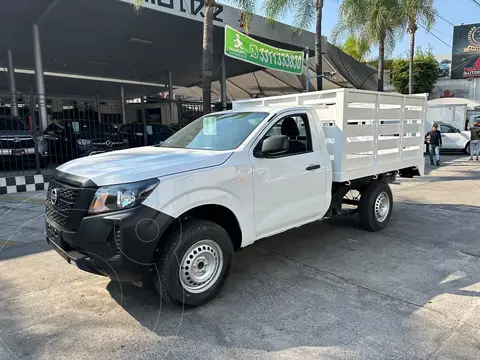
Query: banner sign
x: 466, y: 52
x: 242, y: 47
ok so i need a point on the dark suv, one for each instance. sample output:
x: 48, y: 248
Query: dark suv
x: 154, y: 133
x: 70, y: 139
x: 17, y: 142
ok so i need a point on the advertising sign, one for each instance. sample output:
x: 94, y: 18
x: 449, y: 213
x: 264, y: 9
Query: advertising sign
x: 466, y: 52
x: 242, y: 47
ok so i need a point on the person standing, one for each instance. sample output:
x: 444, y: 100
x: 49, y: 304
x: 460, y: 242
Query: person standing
x: 435, y: 143
x: 474, y: 140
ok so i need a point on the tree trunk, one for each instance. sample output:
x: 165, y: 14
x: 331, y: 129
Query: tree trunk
x: 318, y: 45
x: 207, y: 56
x: 411, y: 55
x: 381, y: 63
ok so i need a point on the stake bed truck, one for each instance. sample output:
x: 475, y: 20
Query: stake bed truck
x: 176, y: 213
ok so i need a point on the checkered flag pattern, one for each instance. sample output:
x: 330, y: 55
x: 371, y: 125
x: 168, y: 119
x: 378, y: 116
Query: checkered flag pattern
x: 16, y: 184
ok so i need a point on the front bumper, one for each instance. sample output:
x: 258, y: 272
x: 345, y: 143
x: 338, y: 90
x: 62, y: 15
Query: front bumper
x: 120, y: 245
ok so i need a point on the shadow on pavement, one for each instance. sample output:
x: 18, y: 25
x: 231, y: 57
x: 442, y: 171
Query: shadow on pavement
x: 328, y: 284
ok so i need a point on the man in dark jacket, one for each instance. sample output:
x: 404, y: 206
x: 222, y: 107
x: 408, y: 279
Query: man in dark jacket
x: 474, y: 140
x: 434, y: 139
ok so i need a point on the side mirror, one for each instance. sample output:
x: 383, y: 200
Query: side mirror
x: 275, y: 145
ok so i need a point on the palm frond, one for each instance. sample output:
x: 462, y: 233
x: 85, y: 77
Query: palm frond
x: 247, y: 8
x: 276, y: 9
x: 304, y: 16
x: 137, y: 4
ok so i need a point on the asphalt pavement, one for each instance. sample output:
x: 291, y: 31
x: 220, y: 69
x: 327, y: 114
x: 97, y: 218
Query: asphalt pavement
x: 325, y: 291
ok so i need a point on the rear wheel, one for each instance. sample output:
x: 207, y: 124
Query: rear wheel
x: 194, y: 263
x: 376, y: 204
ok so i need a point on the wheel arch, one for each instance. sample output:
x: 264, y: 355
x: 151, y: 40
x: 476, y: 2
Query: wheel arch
x: 216, y: 213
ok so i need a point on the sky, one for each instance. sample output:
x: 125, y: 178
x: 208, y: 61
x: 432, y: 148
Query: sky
x: 454, y: 11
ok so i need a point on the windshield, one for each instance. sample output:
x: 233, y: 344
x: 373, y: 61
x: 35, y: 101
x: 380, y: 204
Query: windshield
x: 216, y: 131
x: 91, y: 127
x: 13, y: 124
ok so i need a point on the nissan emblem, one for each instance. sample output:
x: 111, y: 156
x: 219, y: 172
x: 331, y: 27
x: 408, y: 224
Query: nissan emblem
x: 53, y: 196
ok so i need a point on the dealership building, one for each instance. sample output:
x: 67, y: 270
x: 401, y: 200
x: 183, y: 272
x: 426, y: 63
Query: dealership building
x: 99, y: 56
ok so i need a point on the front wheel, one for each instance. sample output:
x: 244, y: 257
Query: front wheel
x: 194, y: 263
x: 376, y: 204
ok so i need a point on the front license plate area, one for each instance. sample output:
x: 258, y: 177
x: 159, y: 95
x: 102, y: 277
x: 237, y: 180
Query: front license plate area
x: 18, y: 152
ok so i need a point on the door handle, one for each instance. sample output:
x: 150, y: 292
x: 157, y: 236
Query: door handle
x: 313, y: 167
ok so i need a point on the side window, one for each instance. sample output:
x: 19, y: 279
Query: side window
x: 52, y: 128
x: 297, y: 129
x: 447, y: 129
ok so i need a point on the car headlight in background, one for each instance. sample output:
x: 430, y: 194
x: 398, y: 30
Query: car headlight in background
x: 120, y: 197
x: 83, y: 142
x: 40, y: 138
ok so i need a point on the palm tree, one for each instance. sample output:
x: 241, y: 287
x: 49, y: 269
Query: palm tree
x: 375, y: 21
x: 306, y: 12
x: 207, y: 51
x: 207, y: 55
x: 415, y: 12
x: 356, y: 48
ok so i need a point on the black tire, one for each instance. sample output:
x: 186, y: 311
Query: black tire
x: 176, y: 244
x: 368, y: 203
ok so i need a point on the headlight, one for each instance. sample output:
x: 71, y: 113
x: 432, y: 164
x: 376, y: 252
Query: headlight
x: 120, y: 197
x: 83, y: 142
x: 40, y: 138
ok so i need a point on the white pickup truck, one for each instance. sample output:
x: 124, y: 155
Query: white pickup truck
x: 176, y: 213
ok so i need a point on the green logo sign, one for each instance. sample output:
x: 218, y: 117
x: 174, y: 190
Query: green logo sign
x: 243, y: 47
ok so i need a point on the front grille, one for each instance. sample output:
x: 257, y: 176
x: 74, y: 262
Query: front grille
x: 60, y: 211
x: 18, y: 143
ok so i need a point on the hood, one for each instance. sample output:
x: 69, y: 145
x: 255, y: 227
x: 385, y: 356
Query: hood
x: 12, y: 133
x: 142, y: 163
x: 466, y: 134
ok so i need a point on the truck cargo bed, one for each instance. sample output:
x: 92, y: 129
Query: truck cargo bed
x: 367, y: 133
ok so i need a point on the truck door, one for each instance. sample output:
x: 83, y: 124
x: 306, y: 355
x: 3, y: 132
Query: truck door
x: 451, y: 138
x: 289, y: 189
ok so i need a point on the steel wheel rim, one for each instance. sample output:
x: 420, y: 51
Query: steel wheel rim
x: 382, y: 206
x: 201, y: 266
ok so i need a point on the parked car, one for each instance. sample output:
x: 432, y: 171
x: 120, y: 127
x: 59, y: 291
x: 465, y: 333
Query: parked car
x: 175, y: 213
x: 155, y: 133
x: 17, y: 142
x: 453, y: 139
x: 70, y: 139
x: 442, y: 69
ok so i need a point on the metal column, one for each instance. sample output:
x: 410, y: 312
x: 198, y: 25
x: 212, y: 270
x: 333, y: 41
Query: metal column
x: 307, y: 69
x: 37, y: 51
x: 99, y: 113
x: 223, y: 85
x: 170, y: 97
x: 144, y: 122
x: 13, y: 88
x: 122, y: 95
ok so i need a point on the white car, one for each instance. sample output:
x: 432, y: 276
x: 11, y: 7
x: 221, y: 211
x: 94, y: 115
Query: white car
x: 454, y: 139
